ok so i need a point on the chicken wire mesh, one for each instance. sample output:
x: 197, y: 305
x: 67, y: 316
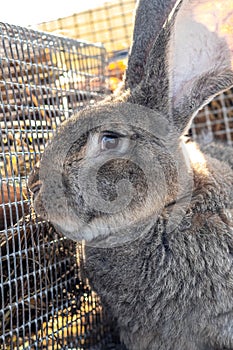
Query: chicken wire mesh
x: 45, y: 302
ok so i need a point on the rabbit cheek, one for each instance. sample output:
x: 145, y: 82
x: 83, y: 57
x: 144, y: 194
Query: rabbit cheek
x: 109, y: 179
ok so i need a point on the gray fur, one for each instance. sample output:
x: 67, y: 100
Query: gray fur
x: 220, y: 151
x: 149, y: 19
x: 161, y: 262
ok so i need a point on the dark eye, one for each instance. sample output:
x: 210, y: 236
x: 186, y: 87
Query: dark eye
x: 109, y: 141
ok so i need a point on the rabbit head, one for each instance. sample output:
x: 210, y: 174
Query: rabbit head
x: 112, y: 169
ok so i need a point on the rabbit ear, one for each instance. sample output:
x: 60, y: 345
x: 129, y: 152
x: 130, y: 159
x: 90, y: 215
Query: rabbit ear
x: 150, y: 18
x: 200, y: 56
x: 191, y: 61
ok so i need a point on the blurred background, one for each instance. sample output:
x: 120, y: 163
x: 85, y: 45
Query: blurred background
x: 24, y: 12
x: 106, y: 21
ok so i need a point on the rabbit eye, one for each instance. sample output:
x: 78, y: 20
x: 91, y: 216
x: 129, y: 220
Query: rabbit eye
x: 109, y: 141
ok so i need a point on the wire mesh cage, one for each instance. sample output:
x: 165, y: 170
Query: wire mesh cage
x: 45, y: 303
x: 215, y: 121
x: 110, y: 23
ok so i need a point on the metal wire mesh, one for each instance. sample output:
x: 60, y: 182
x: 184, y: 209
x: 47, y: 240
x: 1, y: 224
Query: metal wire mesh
x: 45, y: 303
x: 215, y: 121
x: 112, y: 24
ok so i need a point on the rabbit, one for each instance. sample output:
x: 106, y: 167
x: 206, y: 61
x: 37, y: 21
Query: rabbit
x: 154, y: 209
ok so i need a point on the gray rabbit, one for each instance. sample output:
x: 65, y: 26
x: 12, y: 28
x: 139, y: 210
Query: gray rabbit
x: 155, y: 211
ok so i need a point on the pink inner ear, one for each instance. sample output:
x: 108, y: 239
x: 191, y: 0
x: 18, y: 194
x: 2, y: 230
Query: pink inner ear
x: 202, y: 41
x: 218, y: 18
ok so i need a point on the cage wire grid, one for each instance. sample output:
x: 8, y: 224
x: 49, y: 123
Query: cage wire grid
x: 45, y: 303
x: 112, y: 24
x: 215, y: 121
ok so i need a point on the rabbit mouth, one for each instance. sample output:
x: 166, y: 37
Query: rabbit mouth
x: 99, y: 234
